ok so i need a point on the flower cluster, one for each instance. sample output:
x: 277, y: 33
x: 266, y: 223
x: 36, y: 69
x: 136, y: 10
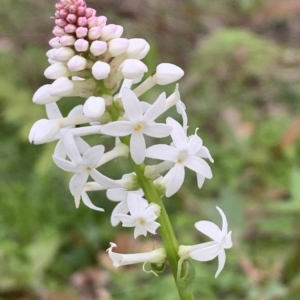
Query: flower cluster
x: 89, y: 58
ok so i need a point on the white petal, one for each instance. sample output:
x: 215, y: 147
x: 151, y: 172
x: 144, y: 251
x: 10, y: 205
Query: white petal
x: 75, y: 111
x: 207, y: 252
x: 152, y: 227
x: 86, y: 200
x: 200, y: 180
x: 71, y: 147
x: 59, y: 150
x: 204, y: 153
x: 224, y: 221
x: 116, y: 194
x: 137, y: 147
x: 156, y: 109
x: 136, y: 205
x: 132, y: 105
x: 77, y: 183
x: 175, y: 180
x: 53, y: 111
x: 227, y: 243
x: 82, y: 145
x: 64, y: 164
x: 221, y: 260
x: 118, y: 128
x: 194, y: 144
x: 158, y: 130
x: 103, y: 180
x: 163, y: 152
x: 127, y: 221
x: 92, y: 156
x: 140, y: 230
x: 198, y: 165
x: 210, y: 229
x: 121, y: 208
x: 178, y: 135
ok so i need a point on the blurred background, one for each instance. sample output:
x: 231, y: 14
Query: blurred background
x: 241, y: 88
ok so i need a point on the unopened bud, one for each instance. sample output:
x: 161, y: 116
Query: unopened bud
x: 133, y: 68
x: 43, y: 131
x: 42, y: 95
x: 81, y: 32
x: 63, y: 54
x: 100, y: 70
x: 136, y: 46
x: 117, y: 46
x: 94, y: 33
x: 58, y: 31
x: 77, y: 63
x: 98, y: 47
x: 167, y: 73
x: 70, y: 28
x: 101, y: 21
x: 108, y: 32
x: 81, y: 45
x: 94, y: 107
x: 54, y: 43
x: 62, y: 86
x: 82, y: 21
x: 67, y: 40
x: 56, y: 70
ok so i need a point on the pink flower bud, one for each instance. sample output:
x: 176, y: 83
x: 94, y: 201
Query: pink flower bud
x: 81, y: 11
x: 94, y: 33
x: 77, y: 63
x: 92, y: 22
x: 72, y: 9
x: 82, y: 21
x: 117, y: 46
x: 63, y: 54
x: 58, y: 6
x: 90, y: 12
x: 133, y: 68
x: 100, y: 70
x: 70, y: 28
x: 81, y: 45
x: 98, y: 47
x: 43, y: 131
x: 71, y: 18
x: 81, y: 32
x: 61, y: 87
x: 167, y: 73
x: 108, y: 32
x: 56, y: 70
x: 94, y: 107
x: 101, y: 21
x: 60, y: 22
x: 67, y: 40
x: 63, y: 13
x: 54, y: 43
x: 58, y: 31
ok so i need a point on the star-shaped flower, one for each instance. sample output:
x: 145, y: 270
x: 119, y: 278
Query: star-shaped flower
x: 184, y: 152
x: 210, y: 250
x: 138, y: 123
x: 142, y: 215
x: 83, y: 166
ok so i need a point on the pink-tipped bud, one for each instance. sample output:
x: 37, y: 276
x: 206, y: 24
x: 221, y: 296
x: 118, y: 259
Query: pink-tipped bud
x: 100, y: 70
x: 56, y: 70
x: 43, y: 131
x: 108, y: 32
x: 67, y: 40
x: 133, y: 68
x: 98, y: 47
x: 61, y: 22
x: 58, y: 31
x: 167, y: 73
x: 81, y: 45
x: 94, y: 107
x: 54, y: 43
x: 77, y: 63
x: 81, y: 32
x: 71, y: 18
x: 61, y: 87
x: 94, y: 33
x: 82, y: 21
x: 42, y: 96
x: 101, y: 21
x: 92, y: 22
x: 70, y: 28
x: 63, y: 54
x: 90, y: 12
x: 117, y: 46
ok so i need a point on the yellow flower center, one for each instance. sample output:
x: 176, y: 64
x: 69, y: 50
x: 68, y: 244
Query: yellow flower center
x: 142, y: 221
x: 138, y: 127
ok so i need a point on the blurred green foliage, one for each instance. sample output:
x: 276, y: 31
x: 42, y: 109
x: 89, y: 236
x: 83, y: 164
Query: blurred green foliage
x: 241, y: 89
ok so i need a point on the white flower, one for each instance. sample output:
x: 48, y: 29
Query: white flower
x: 83, y: 166
x: 120, y: 195
x: 157, y: 256
x: 142, y: 215
x: 138, y: 124
x: 183, y: 153
x: 210, y: 250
